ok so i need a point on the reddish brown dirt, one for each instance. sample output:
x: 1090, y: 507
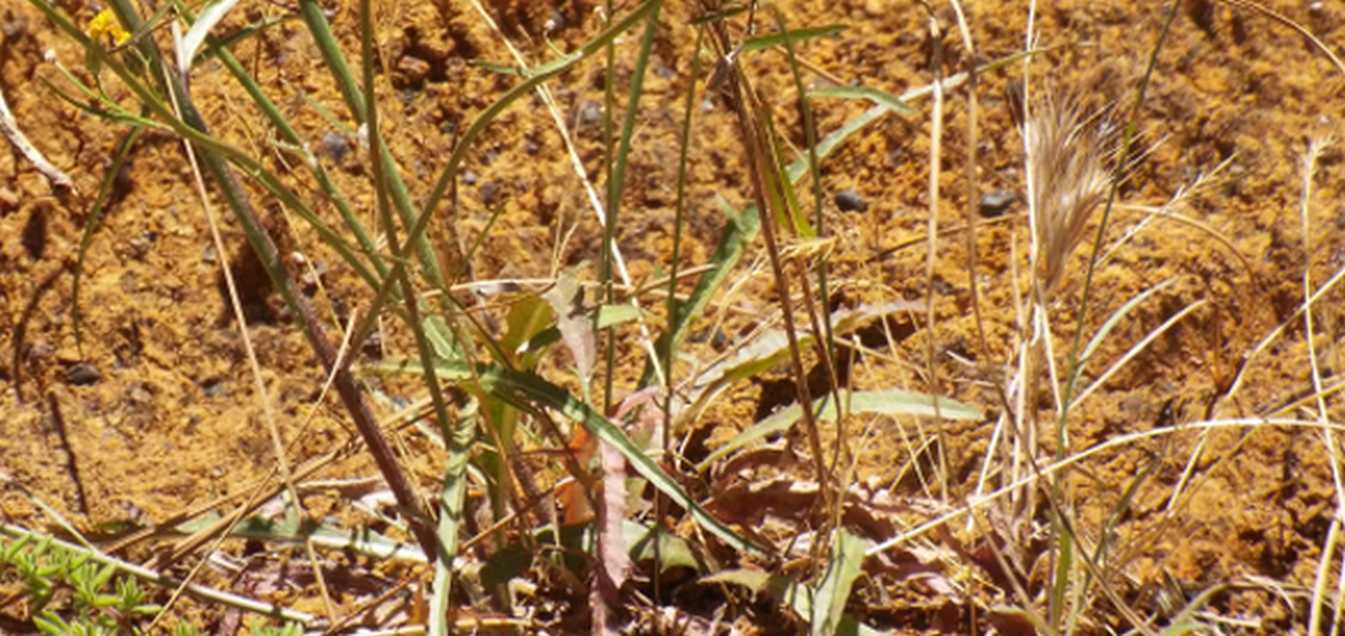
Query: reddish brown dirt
x: 172, y: 419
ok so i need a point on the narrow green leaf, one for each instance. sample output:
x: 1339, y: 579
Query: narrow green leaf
x: 772, y: 347
x: 720, y: 14
x: 95, y: 221
x: 1115, y: 319
x: 874, y: 95
x: 790, y: 593
x: 762, y: 42
x: 361, y: 540
x: 674, y: 551
x: 847, y: 559
x: 214, y: 45
x: 608, y: 316
x: 886, y: 402
x: 452, y: 498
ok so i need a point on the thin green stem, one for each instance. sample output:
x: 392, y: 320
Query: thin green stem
x: 674, y: 308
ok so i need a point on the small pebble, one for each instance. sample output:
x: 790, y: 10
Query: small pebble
x: 40, y: 350
x: 590, y: 113
x: 996, y: 203
x: 82, y: 374
x: 555, y: 22
x: 139, y: 394
x: 850, y: 201
x: 141, y: 245
x: 469, y: 177
x: 213, y: 387
x: 719, y: 340
x: 335, y: 146
x: 373, y: 346
x: 13, y: 27
x: 490, y: 191
x: 413, y: 69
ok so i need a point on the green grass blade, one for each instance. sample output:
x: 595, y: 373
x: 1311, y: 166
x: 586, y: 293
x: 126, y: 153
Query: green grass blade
x: 772, y: 347
x: 847, y: 557
x: 891, y: 102
x: 739, y: 232
x: 892, y: 402
x: 722, y: 13
x: 789, y: 593
x: 227, y: 41
x: 332, y: 58
x: 95, y: 221
x: 617, y: 184
x: 390, y: 174
x: 1115, y: 319
x: 452, y: 502
x: 616, y: 179
x: 540, y: 74
x: 782, y: 38
x: 362, y: 540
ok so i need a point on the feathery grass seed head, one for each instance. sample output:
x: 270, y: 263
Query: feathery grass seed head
x: 1067, y: 157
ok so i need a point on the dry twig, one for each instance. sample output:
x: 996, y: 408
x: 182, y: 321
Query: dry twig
x: 10, y: 127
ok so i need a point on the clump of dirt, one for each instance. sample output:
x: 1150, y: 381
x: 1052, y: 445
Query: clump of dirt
x: 153, y: 411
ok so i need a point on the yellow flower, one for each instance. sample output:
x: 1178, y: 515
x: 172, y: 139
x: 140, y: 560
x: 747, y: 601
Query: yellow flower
x: 105, y: 27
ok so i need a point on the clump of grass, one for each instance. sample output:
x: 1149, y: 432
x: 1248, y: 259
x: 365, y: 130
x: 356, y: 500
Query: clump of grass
x: 505, y: 396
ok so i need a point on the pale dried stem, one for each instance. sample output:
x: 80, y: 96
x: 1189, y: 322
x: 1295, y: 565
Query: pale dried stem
x: 1315, y: 148
x: 935, y: 149
x: 10, y: 127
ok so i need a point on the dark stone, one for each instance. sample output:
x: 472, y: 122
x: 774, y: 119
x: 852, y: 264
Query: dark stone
x: 335, y: 146
x: 373, y: 346
x: 82, y: 374
x: 850, y: 201
x: 719, y: 340
x: 490, y: 192
x: 996, y: 203
x: 1201, y: 12
x: 34, y: 237
x: 35, y: 233
x: 213, y: 387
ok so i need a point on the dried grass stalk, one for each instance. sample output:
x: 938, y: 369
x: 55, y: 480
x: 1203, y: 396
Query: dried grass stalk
x: 1067, y: 157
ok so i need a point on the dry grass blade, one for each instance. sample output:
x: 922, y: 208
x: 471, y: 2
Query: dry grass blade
x: 1066, y: 160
